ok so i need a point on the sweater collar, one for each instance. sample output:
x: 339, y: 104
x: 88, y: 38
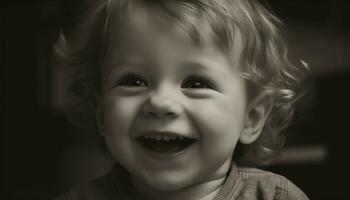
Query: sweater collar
x: 123, y: 186
x: 230, y: 182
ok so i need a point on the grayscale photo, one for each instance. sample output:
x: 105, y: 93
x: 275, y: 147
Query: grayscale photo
x: 174, y: 99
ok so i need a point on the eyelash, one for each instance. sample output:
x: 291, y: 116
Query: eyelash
x: 199, y: 83
x: 132, y: 80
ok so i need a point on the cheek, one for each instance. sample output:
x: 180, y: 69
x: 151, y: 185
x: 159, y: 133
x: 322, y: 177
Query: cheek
x: 119, y: 115
x: 219, y: 117
x: 220, y: 124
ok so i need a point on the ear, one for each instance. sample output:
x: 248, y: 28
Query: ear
x: 99, y: 114
x: 258, y: 110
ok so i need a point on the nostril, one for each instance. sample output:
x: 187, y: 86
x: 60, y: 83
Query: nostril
x: 162, y: 106
x: 150, y: 114
x: 159, y: 114
x: 170, y: 114
x: 150, y: 110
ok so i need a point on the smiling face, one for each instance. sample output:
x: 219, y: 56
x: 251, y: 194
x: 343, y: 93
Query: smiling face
x: 171, y: 111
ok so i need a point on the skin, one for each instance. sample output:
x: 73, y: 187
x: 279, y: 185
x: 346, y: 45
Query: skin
x: 157, y: 79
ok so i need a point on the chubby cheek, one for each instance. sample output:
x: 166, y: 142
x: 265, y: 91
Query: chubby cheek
x: 119, y: 114
x: 220, y: 125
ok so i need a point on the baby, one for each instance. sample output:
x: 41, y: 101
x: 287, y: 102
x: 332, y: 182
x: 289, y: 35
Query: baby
x: 188, y: 96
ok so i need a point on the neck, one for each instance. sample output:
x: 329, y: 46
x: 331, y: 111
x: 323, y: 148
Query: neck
x: 203, y: 191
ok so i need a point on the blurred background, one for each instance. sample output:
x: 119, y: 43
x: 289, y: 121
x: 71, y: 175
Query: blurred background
x: 42, y: 154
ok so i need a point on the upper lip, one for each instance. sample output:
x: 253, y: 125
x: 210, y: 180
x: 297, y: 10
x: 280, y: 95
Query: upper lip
x: 165, y: 133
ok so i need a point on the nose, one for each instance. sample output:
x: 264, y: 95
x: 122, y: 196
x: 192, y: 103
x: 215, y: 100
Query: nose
x: 162, y: 104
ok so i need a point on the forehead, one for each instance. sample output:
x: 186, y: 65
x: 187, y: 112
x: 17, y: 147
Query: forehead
x: 146, y: 37
x: 139, y: 17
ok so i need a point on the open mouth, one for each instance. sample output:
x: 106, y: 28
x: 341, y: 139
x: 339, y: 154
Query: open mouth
x: 166, y: 144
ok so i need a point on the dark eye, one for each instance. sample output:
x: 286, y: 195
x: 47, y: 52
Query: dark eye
x: 132, y: 80
x: 196, y: 83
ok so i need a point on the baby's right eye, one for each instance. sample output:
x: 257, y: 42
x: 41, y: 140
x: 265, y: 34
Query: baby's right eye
x: 132, y: 80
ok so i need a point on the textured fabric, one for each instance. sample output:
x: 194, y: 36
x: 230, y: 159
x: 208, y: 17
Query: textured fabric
x: 241, y: 183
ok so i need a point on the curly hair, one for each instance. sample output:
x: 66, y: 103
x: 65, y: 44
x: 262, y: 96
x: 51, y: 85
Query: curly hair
x: 264, y: 57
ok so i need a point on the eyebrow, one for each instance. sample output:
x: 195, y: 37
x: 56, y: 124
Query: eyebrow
x: 204, y: 67
x: 128, y: 61
x: 123, y: 62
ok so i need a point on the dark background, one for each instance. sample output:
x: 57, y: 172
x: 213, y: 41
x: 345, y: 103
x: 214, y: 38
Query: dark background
x: 37, y: 141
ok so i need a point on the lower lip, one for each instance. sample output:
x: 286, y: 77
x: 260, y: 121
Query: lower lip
x: 161, y: 155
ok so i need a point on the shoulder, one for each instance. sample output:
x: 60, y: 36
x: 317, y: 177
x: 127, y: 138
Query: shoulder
x: 269, y: 185
x: 70, y: 195
x: 114, y: 185
x: 82, y: 192
x: 93, y: 190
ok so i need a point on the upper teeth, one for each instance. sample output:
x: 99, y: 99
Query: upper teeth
x: 165, y: 138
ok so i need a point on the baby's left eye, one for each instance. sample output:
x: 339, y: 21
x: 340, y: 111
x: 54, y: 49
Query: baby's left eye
x: 196, y: 83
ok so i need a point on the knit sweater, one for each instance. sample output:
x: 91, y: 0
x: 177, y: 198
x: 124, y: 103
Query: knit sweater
x: 241, y: 183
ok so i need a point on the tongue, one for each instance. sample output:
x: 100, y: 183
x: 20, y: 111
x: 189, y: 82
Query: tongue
x: 166, y: 147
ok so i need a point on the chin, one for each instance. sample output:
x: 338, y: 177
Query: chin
x: 167, y: 183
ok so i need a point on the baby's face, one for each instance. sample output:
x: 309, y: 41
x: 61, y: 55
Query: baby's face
x: 171, y: 111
